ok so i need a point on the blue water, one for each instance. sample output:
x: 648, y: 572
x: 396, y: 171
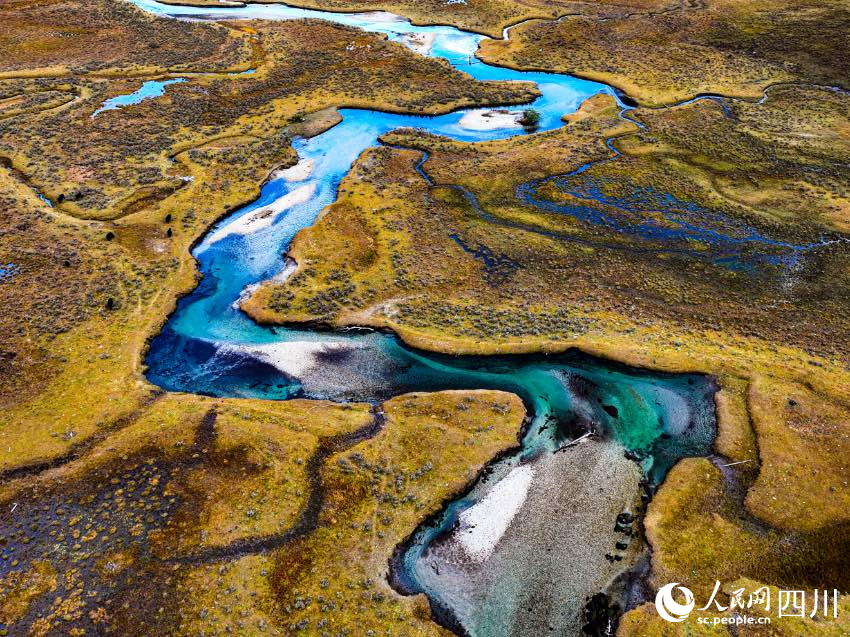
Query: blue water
x: 148, y: 90
x: 210, y: 347
x: 683, y: 227
x: 8, y: 270
x: 196, y: 351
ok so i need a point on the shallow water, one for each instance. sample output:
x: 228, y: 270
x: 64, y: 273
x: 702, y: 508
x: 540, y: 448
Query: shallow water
x: 208, y: 346
x: 659, y: 218
x: 148, y: 90
x: 8, y: 270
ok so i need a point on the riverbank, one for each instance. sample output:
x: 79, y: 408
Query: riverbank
x: 215, y: 470
x: 479, y: 322
x: 709, y: 53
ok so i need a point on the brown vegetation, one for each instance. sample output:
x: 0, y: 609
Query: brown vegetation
x: 732, y: 47
x: 386, y: 254
x: 206, y: 496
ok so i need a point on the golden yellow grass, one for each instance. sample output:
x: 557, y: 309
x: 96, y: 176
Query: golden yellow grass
x: 387, y: 237
x: 72, y: 369
x: 731, y: 47
x: 243, y: 475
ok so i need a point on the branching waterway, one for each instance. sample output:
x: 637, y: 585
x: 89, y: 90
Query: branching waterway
x: 531, y: 547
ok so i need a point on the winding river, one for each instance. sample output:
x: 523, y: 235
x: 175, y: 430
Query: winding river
x: 544, y: 541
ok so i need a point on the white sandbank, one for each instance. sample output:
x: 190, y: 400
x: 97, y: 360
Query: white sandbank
x: 380, y: 16
x: 298, y: 172
x: 419, y: 42
x: 483, y: 524
x: 289, y: 266
x: 490, y: 119
x: 263, y: 217
x: 294, y: 358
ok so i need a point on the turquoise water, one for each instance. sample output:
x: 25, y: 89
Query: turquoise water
x: 148, y: 90
x: 210, y: 347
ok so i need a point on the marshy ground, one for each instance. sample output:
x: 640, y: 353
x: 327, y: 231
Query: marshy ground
x: 129, y: 511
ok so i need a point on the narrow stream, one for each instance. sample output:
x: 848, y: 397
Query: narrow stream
x: 545, y: 529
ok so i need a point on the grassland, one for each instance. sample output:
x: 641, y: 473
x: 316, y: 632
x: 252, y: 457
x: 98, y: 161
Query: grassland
x: 502, y: 275
x: 179, y: 514
x: 732, y: 47
x: 63, y: 37
x: 132, y: 484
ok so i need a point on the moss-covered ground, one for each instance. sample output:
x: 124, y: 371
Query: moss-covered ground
x: 732, y: 47
x: 419, y: 257
x: 127, y: 510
